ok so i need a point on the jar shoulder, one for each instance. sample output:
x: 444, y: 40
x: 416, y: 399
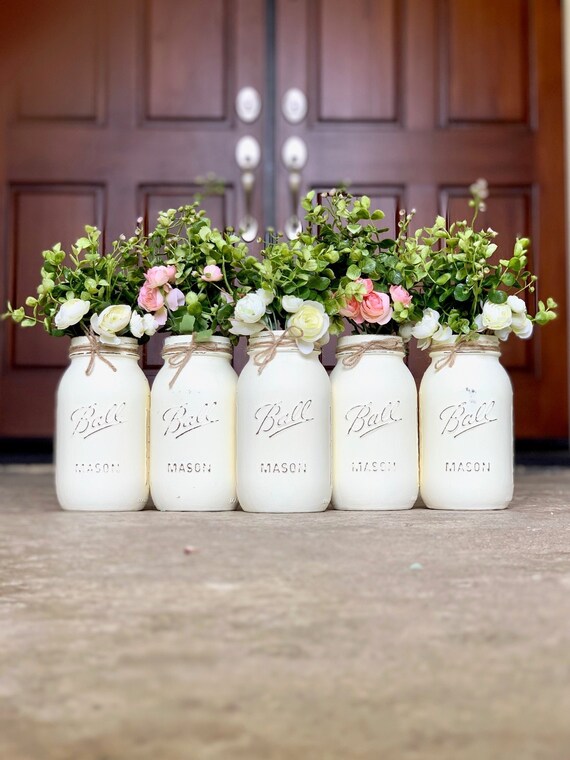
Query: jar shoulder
x: 484, y: 372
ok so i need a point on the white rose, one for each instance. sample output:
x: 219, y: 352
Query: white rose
x: 503, y: 334
x: 140, y: 326
x: 71, y: 312
x: 250, y: 308
x: 291, y: 303
x: 111, y: 321
x: 497, y: 316
x: 517, y: 305
x: 522, y: 326
x: 428, y: 324
x: 314, y: 323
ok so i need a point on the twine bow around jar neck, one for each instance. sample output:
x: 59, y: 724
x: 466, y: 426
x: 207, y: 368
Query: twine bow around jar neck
x: 265, y: 348
x: 481, y: 344
x: 178, y: 355
x: 352, y: 354
x: 90, y: 345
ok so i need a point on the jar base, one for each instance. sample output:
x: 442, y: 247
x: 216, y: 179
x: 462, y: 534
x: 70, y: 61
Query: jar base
x: 391, y: 508
x: 469, y: 507
x: 284, y: 510
x: 225, y: 508
x: 137, y: 508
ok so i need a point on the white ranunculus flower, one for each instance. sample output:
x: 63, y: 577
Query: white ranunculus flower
x: 250, y: 308
x: 479, y: 323
x: 497, y: 316
x: 110, y: 322
x: 518, y: 306
x: 312, y: 319
x: 444, y: 335
x: 291, y: 303
x: 522, y: 326
x: 427, y: 325
x: 406, y: 331
x: 267, y: 295
x: 246, y: 328
x: 140, y: 326
x: 71, y: 312
x: 504, y: 333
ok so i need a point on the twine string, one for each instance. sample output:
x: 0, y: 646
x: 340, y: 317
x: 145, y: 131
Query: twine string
x: 461, y: 346
x: 95, y: 352
x: 353, y: 354
x: 266, y: 349
x: 179, y: 356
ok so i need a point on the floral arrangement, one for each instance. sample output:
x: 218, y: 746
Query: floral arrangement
x: 464, y: 290
x: 288, y: 289
x: 190, y: 285
x: 373, y: 287
x: 83, y: 292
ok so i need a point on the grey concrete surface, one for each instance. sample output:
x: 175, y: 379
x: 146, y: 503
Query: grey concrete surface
x: 413, y: 636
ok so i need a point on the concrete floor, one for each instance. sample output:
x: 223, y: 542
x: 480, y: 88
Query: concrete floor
x: 417, y: 635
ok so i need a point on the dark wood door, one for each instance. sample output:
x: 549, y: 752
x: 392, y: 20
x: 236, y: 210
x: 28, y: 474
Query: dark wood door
x: 110, y: 110
x: 410, y: 101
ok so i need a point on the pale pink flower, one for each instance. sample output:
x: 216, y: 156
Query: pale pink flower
x: 161, y: 316
x: 150, y: 298
x: 156, y: 277
x: 375, y: 307
x: 400, y: 295
x: 175, y: 299
x: 212, y: 273
x: 351, y: 309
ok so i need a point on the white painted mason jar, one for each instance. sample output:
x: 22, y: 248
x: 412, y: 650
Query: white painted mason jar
x: 466, y: 428
x: 101, y: 441
x: 283, y: 426
x: 192, y: 427
x: 374, y: 424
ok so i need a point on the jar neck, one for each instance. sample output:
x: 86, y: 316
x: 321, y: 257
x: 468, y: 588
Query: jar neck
x: 216, y: 345
x: 127, y: 348
x: 481, y: 345
x: 366, y: 345
x: 277, y: 342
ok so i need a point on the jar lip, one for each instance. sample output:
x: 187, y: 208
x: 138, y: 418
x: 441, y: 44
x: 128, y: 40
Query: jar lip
x: 347, y: 341
x: 124, y: 341
x: 184, y: 340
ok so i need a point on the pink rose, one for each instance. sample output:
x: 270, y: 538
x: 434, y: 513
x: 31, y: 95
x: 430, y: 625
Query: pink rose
x: 150, y: 298
x: 175, y: 299
x: 352, y: 310
x: 400, y: 295
x: 368, y: 284
x: 376, y: 308
x: 161, y: 316
x: 212, y: 273
x: 156, y: 277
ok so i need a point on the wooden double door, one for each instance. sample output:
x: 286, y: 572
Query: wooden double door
x: 113, y: 109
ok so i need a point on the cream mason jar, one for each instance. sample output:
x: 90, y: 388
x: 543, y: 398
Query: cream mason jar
x: 283, y: 425
x: 192, y: 427
x: 374, y: 424
x: 101, y: 437
x: 466, y: 428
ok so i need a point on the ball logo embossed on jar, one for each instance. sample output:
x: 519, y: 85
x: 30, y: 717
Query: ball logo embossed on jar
x: 275, y: 418
x: 364, y: 419
x: 90, y: 419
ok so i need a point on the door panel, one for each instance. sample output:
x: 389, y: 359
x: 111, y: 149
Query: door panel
x: 452, y: 91
x: 109, y: 111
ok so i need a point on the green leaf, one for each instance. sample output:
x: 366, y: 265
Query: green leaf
x: 498, y: 296
x: 508, y: 279
x: 353, y: 272
x: 187, y: 323
x: 461, y: 292
x: 354, y: 228
x: 318, y: 283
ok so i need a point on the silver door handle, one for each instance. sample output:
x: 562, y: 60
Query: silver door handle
x: 294, y: 155
x: 248, y: 156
